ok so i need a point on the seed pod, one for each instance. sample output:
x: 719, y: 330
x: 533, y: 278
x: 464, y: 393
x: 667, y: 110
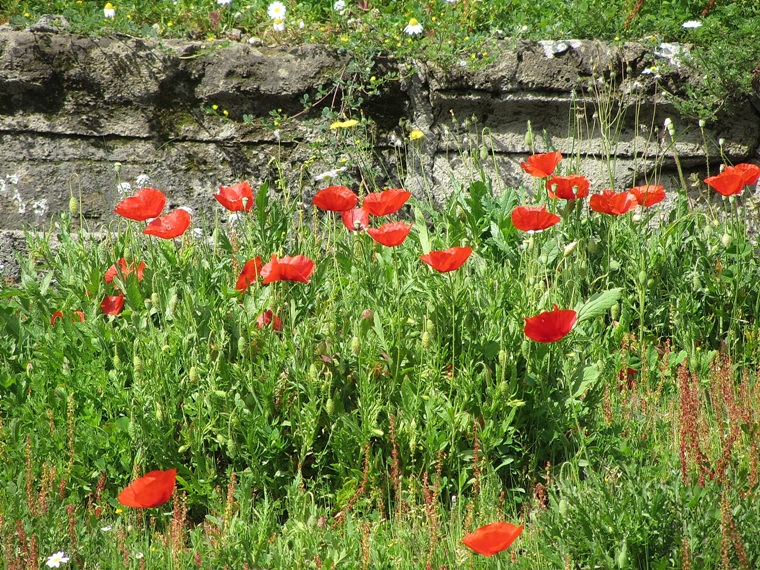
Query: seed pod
x: 570, y: 248
x: 426, y: 342
x: 73, y: 206
x: 483, y: 152
x: 642, y: 276
x: 330, y: 406
x: 193, y: 375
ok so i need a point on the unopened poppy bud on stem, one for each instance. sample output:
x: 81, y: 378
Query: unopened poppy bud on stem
x: 725, y: 240
x: 73, y: 206
x: 570, y: 248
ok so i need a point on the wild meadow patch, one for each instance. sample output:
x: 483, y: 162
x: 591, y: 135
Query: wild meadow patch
x: 548, y: 376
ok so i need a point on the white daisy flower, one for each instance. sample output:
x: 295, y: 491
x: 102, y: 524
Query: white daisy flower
x: 277, y: 11
x: 278, y: 25
x: 223, y: 2
x: 143, y: 180
x: 55, y: 560
x: 691, y: 24
x: 413, y: 28
x: 329, y: 174
x: 339, y: 5
x: 124, y: 188
x: 108, y: 12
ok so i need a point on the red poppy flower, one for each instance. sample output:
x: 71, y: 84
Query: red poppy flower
x: 236, y: 198
x: 533, y: 218
x: 355, y: 220
x: 147, y: 203
x: 79, y: 314
x: 550, y: 326
x: 169, y: 226
x: 727, y: 183
x: 249, y: 274
x: 269, y: 317
x: 613, y: 203
x: 568, y: 187
x: 386, y: 202
x: 542, y: 165
x: 298, y: 268
x: 335, y: 199
x: 391, y: 234
x: 750, y: 172
x: 492, y: 538
x: 112, y: 305
x: 57, y: 315
x: 447, y: 260
x: 150, y: 490
x: 648, y: 195
x: 126, y: 269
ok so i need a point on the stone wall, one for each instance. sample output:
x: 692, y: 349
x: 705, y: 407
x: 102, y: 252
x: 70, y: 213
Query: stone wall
x: 72, y: 107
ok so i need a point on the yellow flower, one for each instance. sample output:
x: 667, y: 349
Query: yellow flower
x: 344, y: 124
x: 169, y: 24
x: 214, y: 107
x: 119, y: 510
x: 226, y: 112
x: 416, y: 134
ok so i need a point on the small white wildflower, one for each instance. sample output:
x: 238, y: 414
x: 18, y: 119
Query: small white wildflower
x: 702, y: 123
x: 142, y: 180
x: 329, y: 174
x: 105, y: 528
x: 278, y: 25
x: 462, y: 63
x: 649, y: 70
x: 55, y: 560
x: 339, y: 5
x: 413, y: 28
x: 721, y: 142
x: 139, y: 555
x: 276, y: 134
x: 223, y: 2
x: 301, y: 25
x: 124, y: 188
x: 109, y: 11
x: 691, y: 24
x: 277, y: 11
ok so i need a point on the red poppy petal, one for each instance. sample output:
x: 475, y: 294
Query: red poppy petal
x: 151, y: 490
x: 447, y: 260
x: 550, y: 326
x: 568, y: 187
x: 170, y: 226
x: 613, y: 203
x: 492, y: 538
x: 146, y: 203
x: 356, y: 219
x: 390, y: 234
x: 648, y: 195
x: 750, y: 172
x: 57, y: 315
x: 112, y: 305
x: 249, y: 274
x: 79, y: 314
x: 533, y: 218
x: 542, y: 165
x: 236, y: 198
x: 727, y: 183
x: 335, y: 199
x: 385, y: 202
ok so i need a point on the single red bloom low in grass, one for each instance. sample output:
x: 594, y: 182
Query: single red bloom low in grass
x: 146, y: 203
x: 390, y: 234
x: 126, y: 269
x: 335, y: 199
x: 750, y: 172
x: 492, y: 538
x: 385, y: 202
x: 249, y: 274
x: 150, y: 490
x: 613, y: 203
x: 550, y: 326
x: 570, y: 187
x: 236, y: 198
x: 533, y: 218
x: 112, y: 305
x: 268, y: 317
x: 298, y: 268
x: 355, y: 220
x: 542, y: 165
x: 170, y: 226
x: 447, y: 260
x: 59, y: 315
x: 648, y: 195
x: 727, y: 183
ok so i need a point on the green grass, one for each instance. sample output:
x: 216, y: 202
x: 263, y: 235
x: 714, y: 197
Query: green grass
x: 399, y: 408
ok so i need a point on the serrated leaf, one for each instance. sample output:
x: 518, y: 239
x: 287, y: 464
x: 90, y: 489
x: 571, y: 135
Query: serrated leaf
x: 598, y: 304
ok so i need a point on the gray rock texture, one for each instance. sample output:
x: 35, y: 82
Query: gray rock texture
x: 73, y: 107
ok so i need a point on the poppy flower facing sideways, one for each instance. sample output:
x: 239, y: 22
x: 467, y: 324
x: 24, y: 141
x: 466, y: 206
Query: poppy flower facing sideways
x: 385, y: 202
x: 568, y: 187
x: 533, y: 218
x: 335, y: 199
x: 112, y: 305
x: 391, y: 234
x: 613, y: 203
x: 298, y: 268
x: 236, y: 198
x: 249, y: 274
x: 126, y: 269
x: 355, y: 220
x: 492, y: 538
x: 150, y: 490
x: 268, y: 317
x: 750, y: 172
x: 542, y: 165
x: 727, y: 183
x: 550, y: 326
x: 146, y: 203
x: 648, y: 195
x: 170, y: 226
x: 59, y: 315
x: 447, y: 260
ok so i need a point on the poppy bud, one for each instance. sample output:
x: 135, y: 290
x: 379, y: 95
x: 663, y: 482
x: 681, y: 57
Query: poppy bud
x: 241, y: 345
x: 356, y: 346
x: 73, y: 206
x: 159, y: 412
x: 155, y: 301
x: 642, y: 276
x: 563, y: 507
x: 622, y: 557
x: 231, y: 446
x: 570, y: 248
x: 430, y: 326
x: 529, y: 138
x: 330, y: 406
x: 614, y: 265
x: 137, y: 364
x: 702, y: 123
x: 615, y: 311
x: 116, y: 359
x: 530, y: 243
x: 172, y: 304
x: 543, y: 259
x: 426, y: 343
x: 313, y: 372
x: 636, y: 217
x: 502, y: 357
x: 591, y: 247
x: 725, y: 240
x: 132, y: 427
x: 483, y: 153
x: 193, y: 375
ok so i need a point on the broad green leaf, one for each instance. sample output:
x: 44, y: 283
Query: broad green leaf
x: 599, y: 304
